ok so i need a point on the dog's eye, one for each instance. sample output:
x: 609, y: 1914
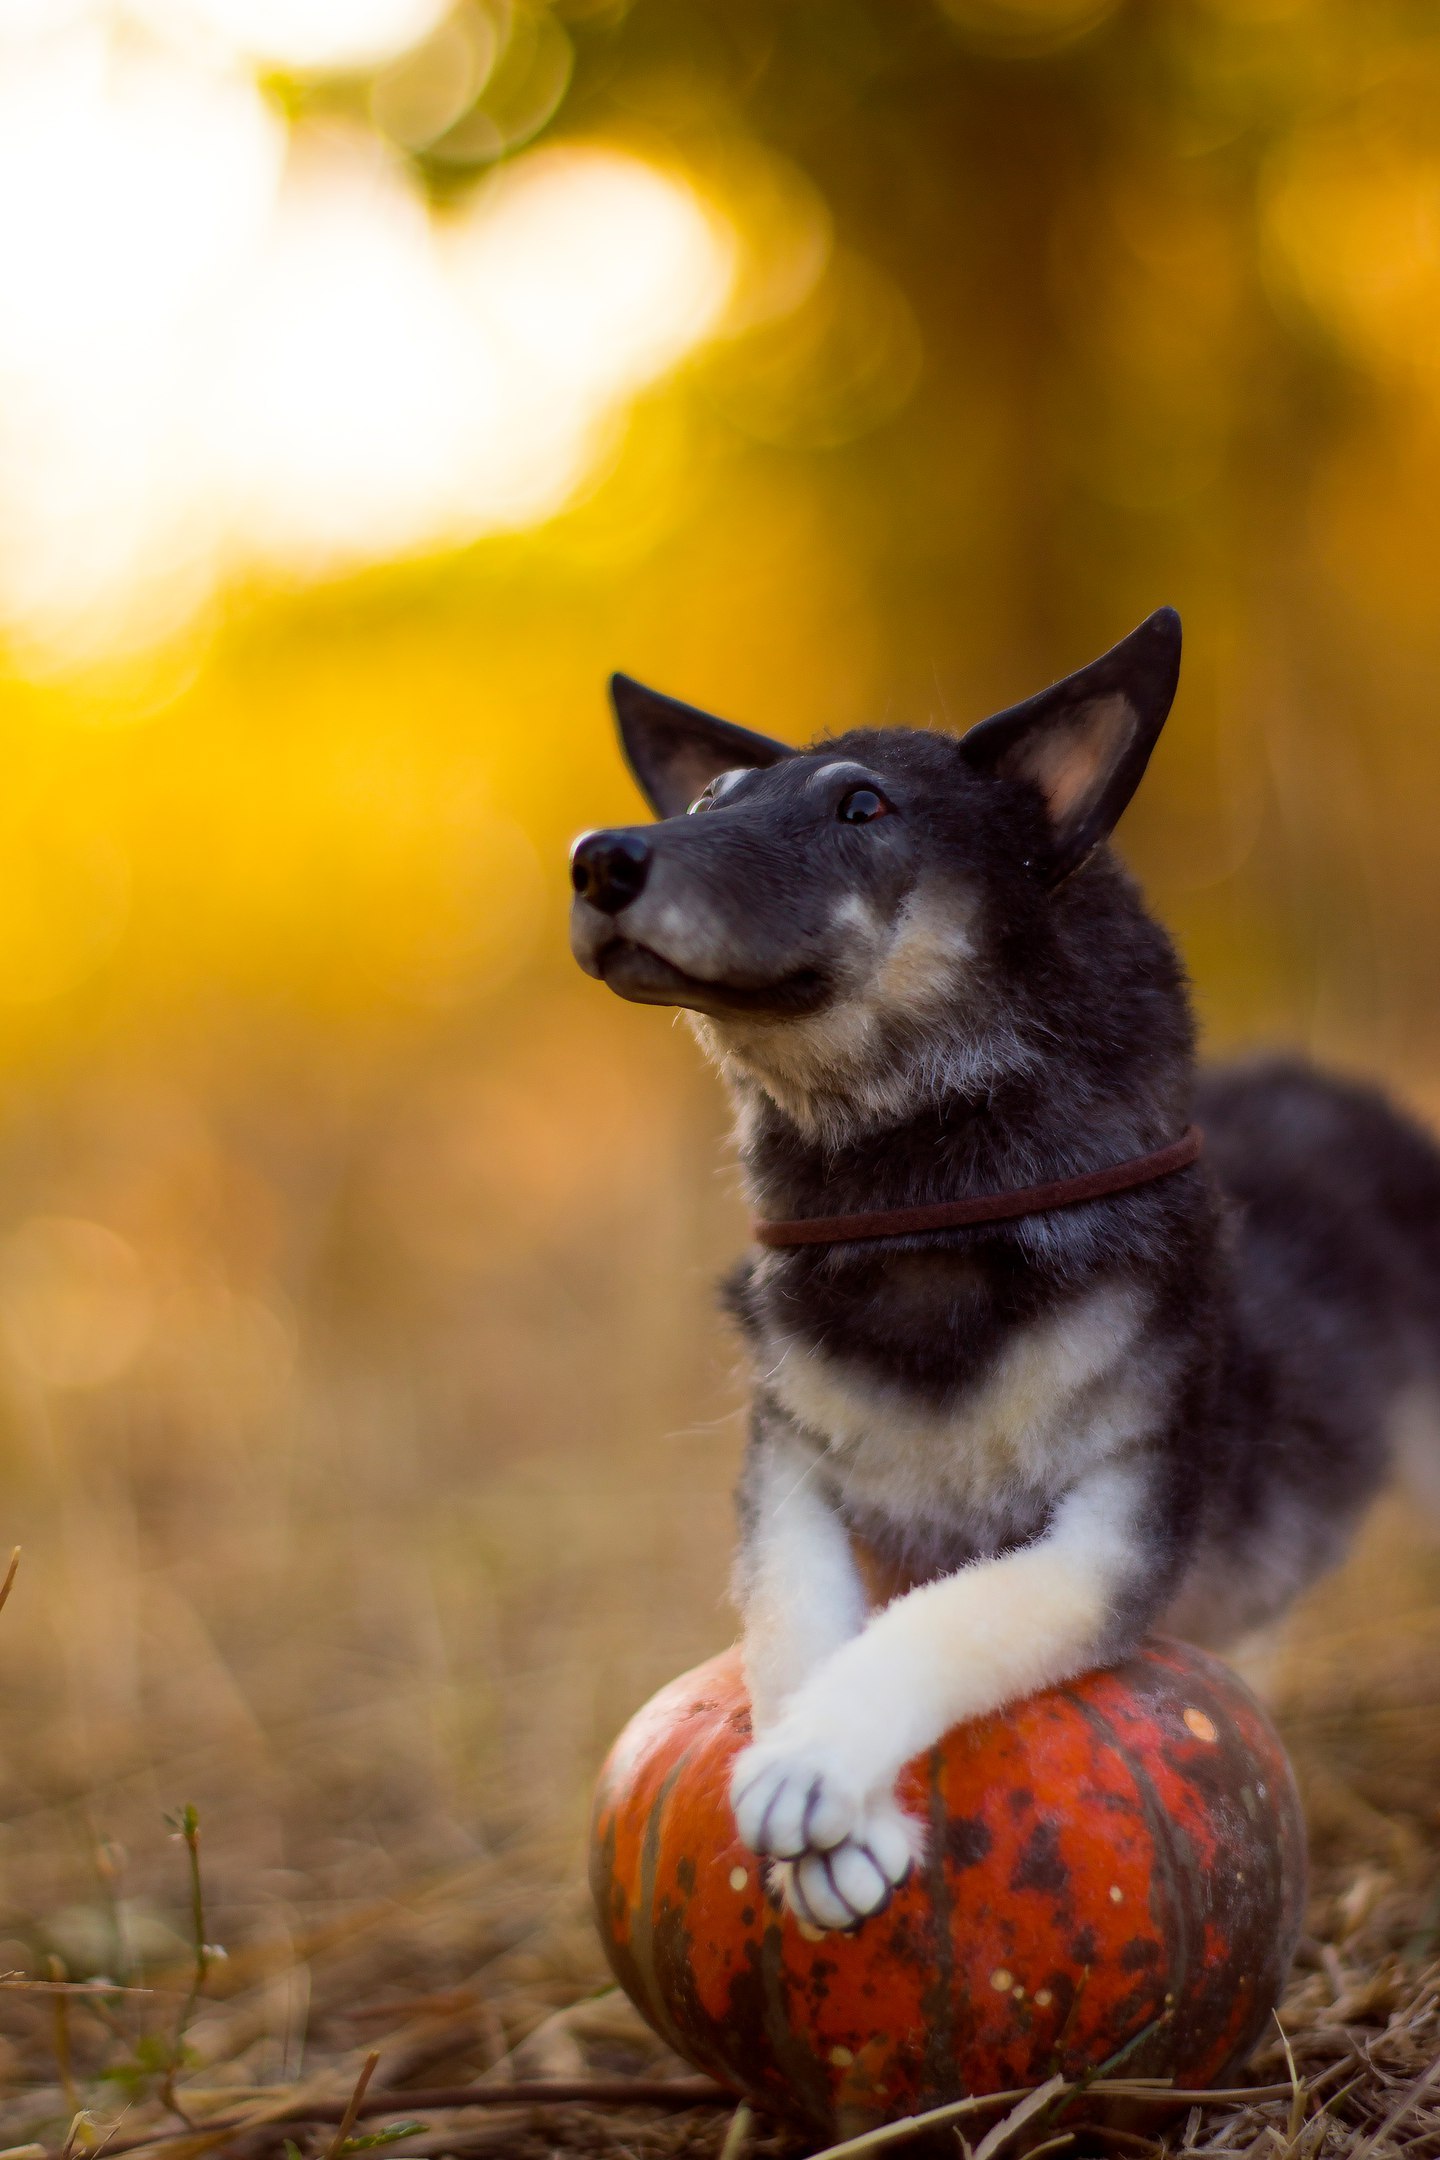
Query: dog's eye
x: 717, y: 790
x: 861, y: 805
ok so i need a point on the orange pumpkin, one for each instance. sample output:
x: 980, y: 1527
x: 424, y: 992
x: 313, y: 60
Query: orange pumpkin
x: 1115, y: 1874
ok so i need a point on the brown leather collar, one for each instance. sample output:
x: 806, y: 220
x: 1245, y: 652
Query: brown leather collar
x: 984, y: 1207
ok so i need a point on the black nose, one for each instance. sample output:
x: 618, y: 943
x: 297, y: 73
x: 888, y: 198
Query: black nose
x: 609, y: 868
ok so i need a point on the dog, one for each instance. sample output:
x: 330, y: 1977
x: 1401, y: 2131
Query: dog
x: 924, y: 976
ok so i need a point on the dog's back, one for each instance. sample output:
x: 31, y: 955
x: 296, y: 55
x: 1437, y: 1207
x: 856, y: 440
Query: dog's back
x: 1332, y: 1340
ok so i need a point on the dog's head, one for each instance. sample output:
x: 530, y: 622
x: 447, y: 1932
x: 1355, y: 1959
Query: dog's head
x: 838, y: 912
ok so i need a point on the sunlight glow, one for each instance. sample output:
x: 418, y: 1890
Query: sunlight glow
x: 226, y: 347
x: 318, y: 33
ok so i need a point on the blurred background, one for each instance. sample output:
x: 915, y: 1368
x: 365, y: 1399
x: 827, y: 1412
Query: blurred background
x: 375, y: 376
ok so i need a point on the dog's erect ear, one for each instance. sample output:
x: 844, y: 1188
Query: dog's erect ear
x: 676, y: 750
x: 1085, y: 742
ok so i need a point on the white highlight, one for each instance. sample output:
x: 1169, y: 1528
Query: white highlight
x: 312, y: 34
x: 223, y: 348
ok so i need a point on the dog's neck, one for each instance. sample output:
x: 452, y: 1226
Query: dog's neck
x: 949, y: 1122
x: 948, y: 1149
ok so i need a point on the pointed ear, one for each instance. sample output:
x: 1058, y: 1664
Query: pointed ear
x: 676, y: 750
x: 1085, y: 742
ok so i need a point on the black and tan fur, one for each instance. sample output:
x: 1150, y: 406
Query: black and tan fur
x: 924, y: 975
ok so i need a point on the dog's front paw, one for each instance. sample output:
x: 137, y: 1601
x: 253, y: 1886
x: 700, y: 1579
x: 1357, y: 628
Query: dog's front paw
x: 857, y: 1878
x: 791, y: 1799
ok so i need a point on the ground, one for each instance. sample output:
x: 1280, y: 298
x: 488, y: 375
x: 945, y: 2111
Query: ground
x: 463, y: 1950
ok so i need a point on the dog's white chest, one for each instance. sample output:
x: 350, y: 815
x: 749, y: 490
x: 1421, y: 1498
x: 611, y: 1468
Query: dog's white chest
x: 1065, y: 1392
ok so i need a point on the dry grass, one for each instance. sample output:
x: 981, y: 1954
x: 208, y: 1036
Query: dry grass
x: 481, y: 1965
x: 394, y: 1475
x: 440, y: 1969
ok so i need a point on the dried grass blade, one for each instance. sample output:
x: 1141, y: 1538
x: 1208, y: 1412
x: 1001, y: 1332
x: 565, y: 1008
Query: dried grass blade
x: 999, y: 2134
x: 737, y: 2133
x: 1023, y: 2103
x: 1054, y: 2144
x: 353, y: 2107
x: 909, y: 2126
x: 1186, y: 2095
x: 17, y: 1984
x: 1300, y: 2094
x: 1399, y: 2112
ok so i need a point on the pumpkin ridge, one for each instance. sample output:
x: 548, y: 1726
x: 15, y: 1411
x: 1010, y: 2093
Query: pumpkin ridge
x: 642, y: 1933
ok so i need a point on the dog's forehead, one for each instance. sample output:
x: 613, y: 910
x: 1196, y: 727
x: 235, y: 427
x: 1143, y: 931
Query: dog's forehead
x: 901, y: 752
x: 807, y: 777
x: 884, y: 753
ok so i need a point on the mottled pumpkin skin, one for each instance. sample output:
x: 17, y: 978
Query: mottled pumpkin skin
x: 1115, y: 1865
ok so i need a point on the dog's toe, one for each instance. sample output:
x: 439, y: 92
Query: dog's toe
x: 893, y: 1841
x: 836, y: 1890
x: 789, y: 1803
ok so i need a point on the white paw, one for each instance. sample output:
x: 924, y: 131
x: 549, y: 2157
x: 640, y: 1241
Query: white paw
x: 840, y: 1887
x: 790, y: 1799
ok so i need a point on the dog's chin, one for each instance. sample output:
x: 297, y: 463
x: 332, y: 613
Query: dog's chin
x: 635, y: 972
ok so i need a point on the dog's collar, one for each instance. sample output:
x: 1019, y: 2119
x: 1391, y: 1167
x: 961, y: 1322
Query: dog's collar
x: 984, y: 1207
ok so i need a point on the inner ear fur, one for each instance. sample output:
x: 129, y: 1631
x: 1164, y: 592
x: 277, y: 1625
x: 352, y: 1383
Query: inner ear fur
x: 676, y: 750
x: 1085, y: 742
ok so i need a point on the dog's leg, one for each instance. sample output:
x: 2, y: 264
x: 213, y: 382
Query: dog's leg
x: 796, y: 1582
x: 802, y: 1599
x: 817, y: 1787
